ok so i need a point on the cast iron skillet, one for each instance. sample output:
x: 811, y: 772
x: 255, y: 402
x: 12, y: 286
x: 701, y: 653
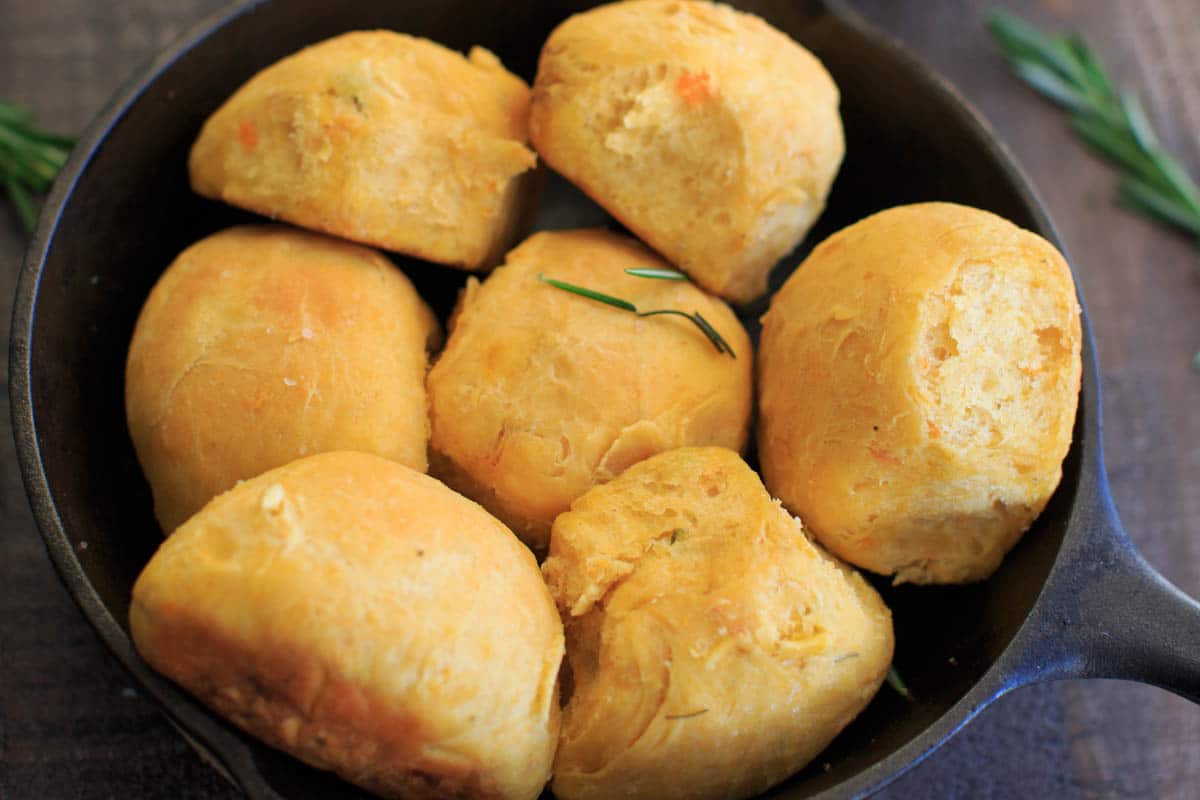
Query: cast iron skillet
x: 1072, y: 600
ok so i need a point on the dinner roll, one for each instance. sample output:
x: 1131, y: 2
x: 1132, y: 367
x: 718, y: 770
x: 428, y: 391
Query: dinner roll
x: 918, y: 377
x: 711, y: 135
x: 713, y: 649
x: 263, y: 344
x: 541, y: 393
x: 368, y: 620
x: 382, y: 138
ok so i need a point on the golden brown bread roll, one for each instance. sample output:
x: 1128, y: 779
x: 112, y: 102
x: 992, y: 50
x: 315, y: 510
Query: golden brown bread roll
x: 262, y: 344
x: 711, y: 135
x: 713, y: 649
x: 918, y: 378
x: 382, y: 138
x: 540, y: 393
x: 368, y: 620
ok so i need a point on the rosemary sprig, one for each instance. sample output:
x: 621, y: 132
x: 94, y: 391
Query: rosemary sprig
x: 29, y: 160
x: 1112, y: 122
x: 695, y: 317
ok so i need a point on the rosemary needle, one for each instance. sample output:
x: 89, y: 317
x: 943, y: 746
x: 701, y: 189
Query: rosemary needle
x: 695, y: 317
x: 654, y: 272
x: 591, y: 294
x: 897, y: 683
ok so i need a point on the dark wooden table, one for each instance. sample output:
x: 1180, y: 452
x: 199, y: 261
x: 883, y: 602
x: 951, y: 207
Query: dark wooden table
x: 71, y: 725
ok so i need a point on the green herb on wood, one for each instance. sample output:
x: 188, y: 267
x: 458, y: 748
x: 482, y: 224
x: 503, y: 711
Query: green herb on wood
x: 1112, y: 122
x: 696, y: 318
x: 29, y: 160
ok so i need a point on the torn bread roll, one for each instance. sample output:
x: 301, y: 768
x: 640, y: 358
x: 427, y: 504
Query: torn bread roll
x: 918, y: 380
x: 382, y: 138
x: 368, y: 620
x: 713, y: 649
x: 708, y: 133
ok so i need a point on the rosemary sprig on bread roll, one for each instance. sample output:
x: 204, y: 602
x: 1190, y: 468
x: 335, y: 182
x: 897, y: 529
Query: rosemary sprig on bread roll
x: 695, y: 317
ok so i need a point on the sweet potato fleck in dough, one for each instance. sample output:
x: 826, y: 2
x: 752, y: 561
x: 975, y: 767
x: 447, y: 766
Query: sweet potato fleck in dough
x: 541, y: 394
x: 918, y: 379
x: 263, y: 344
x: 713, y: 649
x: 382, y: 138
x: 711, y: 135
x: 368, y: 620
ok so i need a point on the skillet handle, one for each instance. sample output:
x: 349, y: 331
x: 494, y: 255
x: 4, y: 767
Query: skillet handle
x: 1106, y: 613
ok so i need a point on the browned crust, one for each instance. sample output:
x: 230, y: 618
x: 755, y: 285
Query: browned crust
x: 290, y: 700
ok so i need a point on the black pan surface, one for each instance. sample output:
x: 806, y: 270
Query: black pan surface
x: 1072, y: 600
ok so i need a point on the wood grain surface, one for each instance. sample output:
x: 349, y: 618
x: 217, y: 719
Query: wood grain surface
x: 72, y: 726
